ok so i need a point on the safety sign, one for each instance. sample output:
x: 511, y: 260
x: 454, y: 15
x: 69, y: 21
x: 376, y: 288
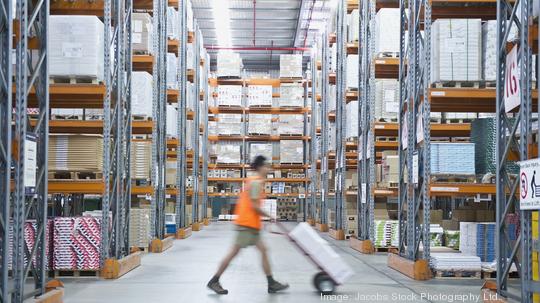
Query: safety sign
x: 529, y: 184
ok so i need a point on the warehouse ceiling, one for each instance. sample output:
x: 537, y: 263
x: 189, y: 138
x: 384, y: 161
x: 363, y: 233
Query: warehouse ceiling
x: 261, y: 30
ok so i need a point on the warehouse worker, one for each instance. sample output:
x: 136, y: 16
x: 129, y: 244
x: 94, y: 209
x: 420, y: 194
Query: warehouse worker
x: 248, y: 221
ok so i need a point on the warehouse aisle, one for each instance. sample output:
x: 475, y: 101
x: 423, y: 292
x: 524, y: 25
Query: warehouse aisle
x: 180, y: 275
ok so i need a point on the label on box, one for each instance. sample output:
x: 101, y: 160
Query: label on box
x: 72, y: 50
x: 30, y: 167
x: 415, y: 168
x: 364, y: 198
x: 136, y: 38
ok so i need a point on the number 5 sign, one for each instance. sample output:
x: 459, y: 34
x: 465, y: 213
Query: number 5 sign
x: 512, y: 95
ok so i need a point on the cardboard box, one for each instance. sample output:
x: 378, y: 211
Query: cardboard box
x: 485, y: 216
x: 450, y: 225
x: 463, y: 215
x: 380, y: 214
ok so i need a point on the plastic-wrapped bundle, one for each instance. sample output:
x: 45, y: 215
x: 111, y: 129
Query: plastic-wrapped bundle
x: 387, y: 26
x: 76, y: 47
x: 386, y: 99
x: 191, y: 98
x: 141, y: 37
x: 75, y: 153
x: 332, y: 136
x: 173, y: 28
x: 331, y: 98
x: 139, y: 227
x: 170, y: 172
x: 141, y: 94
x: 172, y: 120
x: 292, y: 95
x: 291, y: 125
x: 262, y: 149
x: 291, y: 151
x: 353, y: 29
x: 189, y: 134
x: 455, y: 262
x: 229, y: 124
x: 352, y: 71
x: 452, y: 158
x: 172, y: 71
x: 290, y: 66
x: 259, y: 95
x: 456, y: 50
x: 260, y: 124
x: 228, y: 152
x: 229, y: 95
x: 489, y: 50
x: 141, y: 159
x: 77, y: 243
x: 229, y: 64
x: 352, y: 120
x: 333, y: 57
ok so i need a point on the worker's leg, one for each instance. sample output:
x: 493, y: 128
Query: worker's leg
x: 273, y: 285
x: 230, y: 256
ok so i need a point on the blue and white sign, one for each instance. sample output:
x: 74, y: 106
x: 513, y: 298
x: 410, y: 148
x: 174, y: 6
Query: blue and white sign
x: 529, y: 184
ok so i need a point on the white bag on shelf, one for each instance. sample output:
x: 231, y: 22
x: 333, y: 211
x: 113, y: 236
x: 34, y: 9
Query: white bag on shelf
x: 141, y: 94
x: 141, y: 37
x: 259, y: 95
x: 172, y: 71
x: 290, y: 66
x: 387, y: 29
x: 291, y: 95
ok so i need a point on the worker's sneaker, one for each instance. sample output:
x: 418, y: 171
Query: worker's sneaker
x: 217, y: 288
x: 275, y: 286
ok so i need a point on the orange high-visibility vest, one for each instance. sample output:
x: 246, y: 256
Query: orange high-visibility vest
x: 246, y: 214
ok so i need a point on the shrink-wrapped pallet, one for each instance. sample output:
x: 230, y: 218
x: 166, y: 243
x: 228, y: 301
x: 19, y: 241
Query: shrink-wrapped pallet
x: 76, y: 47
x: 387, y: 29
x: 352, y: 120
x: 291, y: 95
x: 452, y: 159
x: 291, y: 151
x: 290, y: 66
x: 259, y: 95
x: 229, y: 64
x: 332, y: 136
x: 170, y: 172
x: 456, y: 50
x: 354, y: 23
x: 141, y: 159
x: 173, y: 23
x: 333, y: 57
x: 172, y: 121
x: 386, y: 99
x: 139, y: 227
x: 352, y: 71
x: 261, y: 149
x: 228, y: 152
x: 332, y: 98
x: 142, y: 33
x: 77, y: 243
x: 172, y: 71
x: 189, y: 134
x: 141, y: 94
x: 75, y: 153
x: 260, y: 124
x: 291, y: 125
x: 229, y: 124
x: 229, y: 95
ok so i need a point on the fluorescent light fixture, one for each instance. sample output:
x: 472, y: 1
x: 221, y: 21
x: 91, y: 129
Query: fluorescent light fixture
x: 220, y: 10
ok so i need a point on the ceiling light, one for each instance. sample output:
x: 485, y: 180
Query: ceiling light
x: 220, y: 11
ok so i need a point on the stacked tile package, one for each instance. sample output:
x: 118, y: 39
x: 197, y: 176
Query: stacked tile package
x: 229, y: 64
x: 141, y: 94
x: 352, y: 120
x: 263, y: 149
x: 291, y: 151
x: 259, y: 95
x: 452, y: 158
x: 229, y: 95
x: 332, y: 98
x: 170, y: 172
x: 229, y: 124
x: 386, y: 233
x: 352, y: 71
x: 30, y: 233
x: 484, y: 137
x: 291, y: 124
x: 456, y: 50
x: 386, y: 99
x: 75, y: 153
x: 455, y: 262
x: 173, y: 22
x: 291, y: 95
x: 171, y: 123
x: 228, y: 152
x: 477, y: 239
x: 172, y: 71
x: 76, y: 47
x: 489, y: 49
x: 139, y: 227
x: 141, y: 36
x: 353, y: 28
x: 141, y: 159
x: 77, y: 243
x: 260, y: 124
x: 387, y: 29
x: 290, y: 66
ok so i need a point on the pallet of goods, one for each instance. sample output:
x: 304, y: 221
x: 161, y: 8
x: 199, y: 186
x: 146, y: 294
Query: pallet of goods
x: 142, y: 33
x: 259, y: 95
x: 260, y: 124
x: 75, y: 154
x: 291, y: 151
x: 229, y: 95
x: 290, y: 66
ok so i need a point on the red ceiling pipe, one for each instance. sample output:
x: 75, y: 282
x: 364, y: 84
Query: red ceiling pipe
x: 258, y: 48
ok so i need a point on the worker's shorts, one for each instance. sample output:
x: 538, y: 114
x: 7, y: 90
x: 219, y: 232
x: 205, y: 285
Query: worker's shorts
x: 247, y: 236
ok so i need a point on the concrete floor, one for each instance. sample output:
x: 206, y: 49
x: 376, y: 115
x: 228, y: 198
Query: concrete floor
x: 180, y: 275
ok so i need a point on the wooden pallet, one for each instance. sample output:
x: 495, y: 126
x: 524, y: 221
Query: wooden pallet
x: 388, y: 120
x: 260, y: 106
x: 141, y: 182
x: 388, y: 249
x: 387, y: 139
x: 67, y: 117
x: 457, y: 84
x: 141, y: 118
x: 229, y: 78
x: 75, y: 273
x: 453, y: 178
x: 74, y: 175
x: 388, y: 55
x: 489, y: 275
x: 457, y: 121
x: 450, y: 274
x: 73, y: 80
x: 291, y: 163
x: 226, y: 106
x: 291, y: 135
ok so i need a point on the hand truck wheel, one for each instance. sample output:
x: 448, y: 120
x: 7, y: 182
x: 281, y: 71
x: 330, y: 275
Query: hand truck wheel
x: 323, y: 283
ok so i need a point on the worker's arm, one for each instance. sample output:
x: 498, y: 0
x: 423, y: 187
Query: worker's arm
x: 255, y: 194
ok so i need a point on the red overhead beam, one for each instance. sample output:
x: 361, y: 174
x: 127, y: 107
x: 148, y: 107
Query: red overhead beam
x: 258, y: 48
